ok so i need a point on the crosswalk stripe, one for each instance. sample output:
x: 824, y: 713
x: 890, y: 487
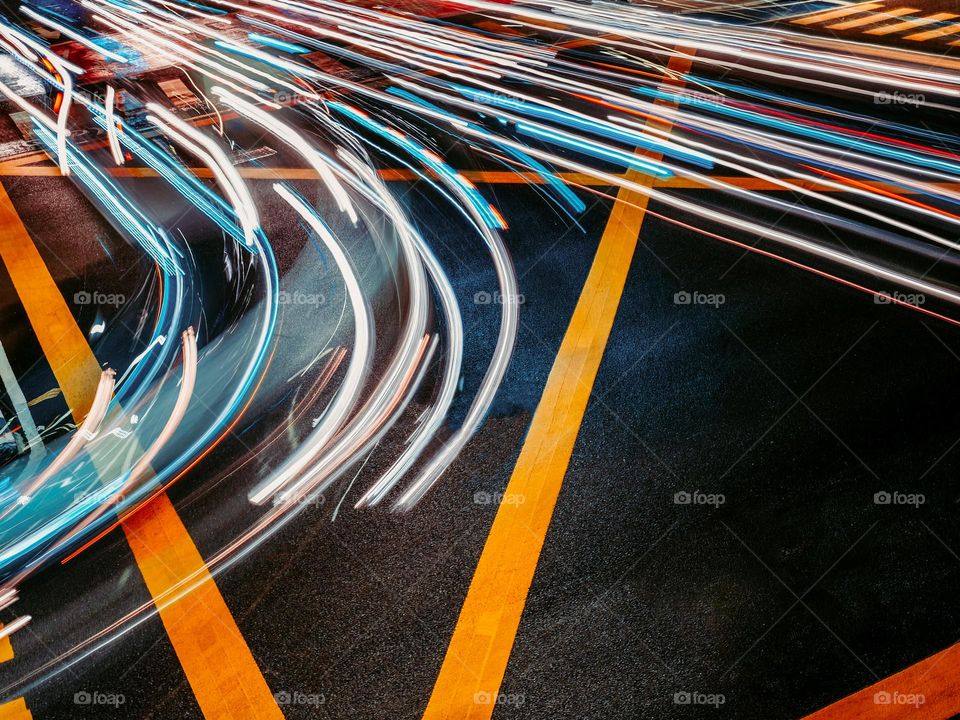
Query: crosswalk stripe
x: 872, y: 18
x: 935, y: 33
x: 829, y: 15
x: 911, y: 24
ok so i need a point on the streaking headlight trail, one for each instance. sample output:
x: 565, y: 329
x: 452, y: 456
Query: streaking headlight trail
x: 176, y: 126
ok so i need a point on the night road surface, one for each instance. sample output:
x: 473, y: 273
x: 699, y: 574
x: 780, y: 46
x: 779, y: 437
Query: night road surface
x: 715, y: 478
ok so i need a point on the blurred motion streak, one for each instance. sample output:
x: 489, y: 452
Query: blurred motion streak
x: 297, y: 364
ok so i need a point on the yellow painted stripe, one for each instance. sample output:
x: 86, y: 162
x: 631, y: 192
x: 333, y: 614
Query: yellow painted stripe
x: 73, y: 364
x: 493, y: 177
x: 6, y: 649
x: 477, y: 656
x: 935, y: 680
x: 223, y: 674
x: 936, y: 33
x: 15, y: 710
x: 821, y: 17
x: 216, y: 660
x: 910, y: 24
x: 33, y: 157
x: 510, y: 177
x: 30, y: 279
x: 872, y: 18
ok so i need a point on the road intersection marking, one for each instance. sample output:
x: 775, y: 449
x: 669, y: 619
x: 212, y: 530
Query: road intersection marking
x: 215, y: 658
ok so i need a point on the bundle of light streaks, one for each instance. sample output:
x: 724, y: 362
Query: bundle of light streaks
x: 564, y: 90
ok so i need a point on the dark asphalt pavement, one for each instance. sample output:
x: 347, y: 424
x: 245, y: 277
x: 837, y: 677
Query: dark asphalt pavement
x: 796, y: 400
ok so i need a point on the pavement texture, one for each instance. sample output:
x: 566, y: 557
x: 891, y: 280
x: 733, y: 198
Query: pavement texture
x: 717, y: 531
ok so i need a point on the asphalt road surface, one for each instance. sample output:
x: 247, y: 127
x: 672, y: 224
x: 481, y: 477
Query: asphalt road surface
x: 758, y: 517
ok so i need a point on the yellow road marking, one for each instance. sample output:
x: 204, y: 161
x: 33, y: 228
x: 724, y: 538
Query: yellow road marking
x: 937, y: 33
x: 223, y: 674
x: 872, y: 18
x: 73, y: 364
x: 494, y: 177
x: 934, y: 680
x: 887, y: 53
x: 820, y: 17
x: 15, y: 710
x: 760, y: 184
x: 6, y: 649
x: 910, y: 24
x: 215, y: 658
x: 476, y: 659
x: 33, y: 157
